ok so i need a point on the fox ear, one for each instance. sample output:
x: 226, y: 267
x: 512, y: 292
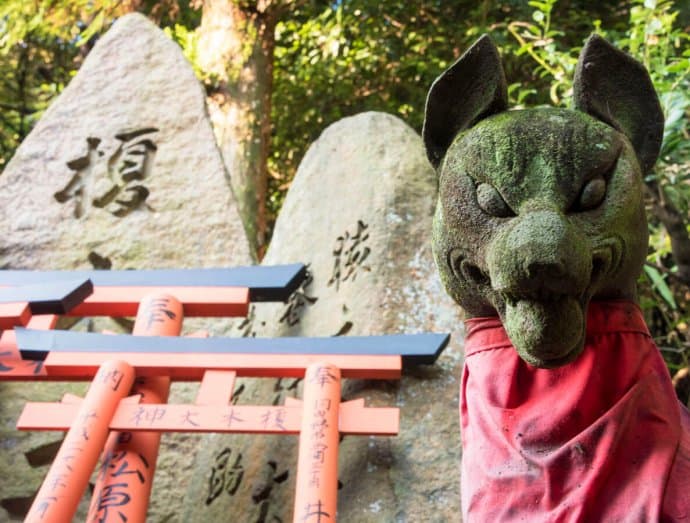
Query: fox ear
x: 472, y: 88
x: 616, y: 89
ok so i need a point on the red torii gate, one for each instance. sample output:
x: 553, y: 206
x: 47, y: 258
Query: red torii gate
x: 125, y: 411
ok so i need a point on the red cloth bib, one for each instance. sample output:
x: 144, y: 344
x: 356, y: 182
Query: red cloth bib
x: 602, y: 439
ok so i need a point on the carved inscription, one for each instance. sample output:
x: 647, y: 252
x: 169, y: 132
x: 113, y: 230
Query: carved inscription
x: 282, y: 387
x: 114, y: 182
x: 299, y: 301
x: 350, y: 254
x: 101, y: 263
x: 261, y: 493
x: 237, y: 393
x: 266, y: 515
x: 227, y: 475
x: 246, y: 328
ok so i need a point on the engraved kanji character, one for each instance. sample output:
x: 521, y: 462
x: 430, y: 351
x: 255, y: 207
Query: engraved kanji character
x: 225, y: 477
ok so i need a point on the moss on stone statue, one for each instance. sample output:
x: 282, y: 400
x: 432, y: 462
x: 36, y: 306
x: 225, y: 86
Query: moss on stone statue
x: 539, y: 210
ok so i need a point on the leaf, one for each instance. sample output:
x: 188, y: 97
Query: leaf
x: 94, y: 27
x: 678, y: 67
x: 660, y: 285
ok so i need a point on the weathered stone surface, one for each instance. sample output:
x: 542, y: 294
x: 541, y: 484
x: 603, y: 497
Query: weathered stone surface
x: 24, y: 456
x: 121, y: 171
x: 135, y: 79
x: 359, y: 212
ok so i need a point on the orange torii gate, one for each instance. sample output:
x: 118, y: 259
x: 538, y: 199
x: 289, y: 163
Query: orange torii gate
x: 125, y: 410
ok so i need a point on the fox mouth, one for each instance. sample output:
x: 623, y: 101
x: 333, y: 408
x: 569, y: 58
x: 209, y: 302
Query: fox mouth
x: 545, y: 314
x: 542, y: 306
x: 546, y: 328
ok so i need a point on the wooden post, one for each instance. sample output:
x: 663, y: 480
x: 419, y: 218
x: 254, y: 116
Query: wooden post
x: 123, y: 487
x: 59, y: 495
x: 317, y: 467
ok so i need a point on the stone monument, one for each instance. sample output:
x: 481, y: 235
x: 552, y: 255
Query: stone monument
x: 358, y: 213
x: 122, y: 171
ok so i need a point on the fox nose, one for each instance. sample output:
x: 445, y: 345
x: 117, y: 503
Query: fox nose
x: 541, y: 269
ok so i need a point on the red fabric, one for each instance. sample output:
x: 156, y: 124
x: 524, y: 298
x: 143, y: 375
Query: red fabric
x: 601, y: 439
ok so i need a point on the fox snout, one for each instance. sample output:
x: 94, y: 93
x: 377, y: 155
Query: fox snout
x: 540, y: 255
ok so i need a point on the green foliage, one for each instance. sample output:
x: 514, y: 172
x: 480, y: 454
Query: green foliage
x: 43, y: 43
x: 335, y: 60
x: 338, y: 62
x: 651, y: 36
x: 188, y: 40
x: 659, y: 284
x: 331, y: 59
x: 538, y: 39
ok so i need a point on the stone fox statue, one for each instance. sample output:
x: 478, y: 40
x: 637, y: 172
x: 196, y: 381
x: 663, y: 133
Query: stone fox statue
x: 567, y: 409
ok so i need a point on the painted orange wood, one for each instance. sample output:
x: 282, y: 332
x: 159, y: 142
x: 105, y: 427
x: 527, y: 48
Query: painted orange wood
x: 68, y: 477
x: 128, y: 463
x: 191, y: 367
x: 198, y: 301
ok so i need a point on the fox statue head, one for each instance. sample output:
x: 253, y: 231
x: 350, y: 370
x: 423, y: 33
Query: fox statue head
x: 541, y: 210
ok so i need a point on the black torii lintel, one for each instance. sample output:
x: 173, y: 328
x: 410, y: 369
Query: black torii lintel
x: 265, y: 283
x: 51, y: 297
x: 414, y: 348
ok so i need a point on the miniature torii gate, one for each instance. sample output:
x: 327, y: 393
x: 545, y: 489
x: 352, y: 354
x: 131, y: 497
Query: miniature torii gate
x: 125, y: 410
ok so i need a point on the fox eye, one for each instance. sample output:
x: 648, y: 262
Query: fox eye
x: 592, y: 194
x: 492, y: 202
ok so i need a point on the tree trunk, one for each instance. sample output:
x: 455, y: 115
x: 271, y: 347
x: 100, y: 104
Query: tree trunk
x: 235, y: 47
